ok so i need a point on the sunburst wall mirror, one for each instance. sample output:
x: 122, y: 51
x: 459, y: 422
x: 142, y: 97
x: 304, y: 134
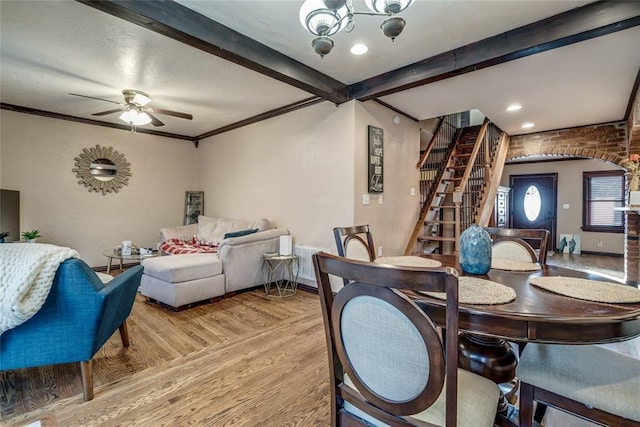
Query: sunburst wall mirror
x: 102, y: 169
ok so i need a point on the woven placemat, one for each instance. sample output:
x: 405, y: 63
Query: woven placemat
x: 408, y: 261
x: 513, y: 265
x: 590, y: 290
x: 473, y: 290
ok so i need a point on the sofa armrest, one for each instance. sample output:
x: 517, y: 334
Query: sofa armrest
x: 242, y: 258
x: 182, y: 232
x: 254, y: 237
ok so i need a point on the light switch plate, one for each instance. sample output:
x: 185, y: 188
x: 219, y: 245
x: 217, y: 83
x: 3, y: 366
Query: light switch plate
x: 413, y: 191
x: 365, y: 199
x: 380, y: 199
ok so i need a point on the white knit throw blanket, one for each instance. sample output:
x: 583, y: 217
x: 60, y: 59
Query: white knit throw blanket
x: 26, y: 276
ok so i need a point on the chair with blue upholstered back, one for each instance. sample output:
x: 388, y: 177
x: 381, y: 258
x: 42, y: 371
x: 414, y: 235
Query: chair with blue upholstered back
x: 78, y: 317
x: 387, y: 364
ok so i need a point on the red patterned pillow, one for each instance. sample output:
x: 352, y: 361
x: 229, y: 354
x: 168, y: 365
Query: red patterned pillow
x: 179, y: 247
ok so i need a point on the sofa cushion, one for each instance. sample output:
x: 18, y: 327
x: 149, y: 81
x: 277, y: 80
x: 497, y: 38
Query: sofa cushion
x: 212, y: 230
x: 180, y: 268
x: 262, y: 225
x: 240, y: 233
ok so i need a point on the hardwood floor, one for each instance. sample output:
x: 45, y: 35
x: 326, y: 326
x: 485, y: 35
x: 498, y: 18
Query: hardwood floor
x: 603, y: 265
x: 247, y: 361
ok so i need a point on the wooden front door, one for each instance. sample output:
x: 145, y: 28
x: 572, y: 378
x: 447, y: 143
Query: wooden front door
x: 534, y: 203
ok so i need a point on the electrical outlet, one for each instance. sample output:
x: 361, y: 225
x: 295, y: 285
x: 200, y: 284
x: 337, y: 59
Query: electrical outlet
x: 379, y: 250
x: 600, y: 243
x: 566, y: 206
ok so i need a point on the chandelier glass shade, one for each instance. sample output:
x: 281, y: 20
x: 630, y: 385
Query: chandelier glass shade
x: 388, y: 6
x: 325, y: 18
x: 320, y: 20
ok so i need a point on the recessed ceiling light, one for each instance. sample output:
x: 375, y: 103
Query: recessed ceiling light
x: 527, y: 125
x: 359, y: 49
x: 514, y: 107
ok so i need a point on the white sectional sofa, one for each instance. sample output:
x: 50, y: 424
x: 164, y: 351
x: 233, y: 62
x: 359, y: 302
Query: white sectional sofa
x: 241, y: 256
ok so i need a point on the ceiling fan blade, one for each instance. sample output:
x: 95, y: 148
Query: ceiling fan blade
x: 104, y: 113
x: 171, y: 113
x: 93, y: 97
x: 154, y: 120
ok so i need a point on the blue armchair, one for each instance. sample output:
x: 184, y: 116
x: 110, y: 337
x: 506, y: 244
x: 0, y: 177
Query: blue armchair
x: 78, y: 317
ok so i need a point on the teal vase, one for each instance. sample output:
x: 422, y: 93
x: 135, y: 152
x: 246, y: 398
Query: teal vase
x: 475, y: 250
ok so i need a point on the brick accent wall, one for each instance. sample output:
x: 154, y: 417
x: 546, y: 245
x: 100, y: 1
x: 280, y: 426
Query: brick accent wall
x: 607, y: 142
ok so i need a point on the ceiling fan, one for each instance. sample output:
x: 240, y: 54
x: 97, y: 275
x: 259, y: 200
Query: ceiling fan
x: 135, y: 110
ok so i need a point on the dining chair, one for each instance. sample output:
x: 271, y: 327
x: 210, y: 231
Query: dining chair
x: 355, y: 242
x: 387, y: 362
x: 588, y: 381
x: 514, y: 243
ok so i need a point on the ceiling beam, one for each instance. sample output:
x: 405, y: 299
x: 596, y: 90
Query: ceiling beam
x: 180, y: 23
x: 584, y: 23
x: 59, y: 116
x: 264, y: 116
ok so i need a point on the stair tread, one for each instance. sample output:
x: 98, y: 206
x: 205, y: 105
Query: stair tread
x: 434, y: 222
x: 443, y: 207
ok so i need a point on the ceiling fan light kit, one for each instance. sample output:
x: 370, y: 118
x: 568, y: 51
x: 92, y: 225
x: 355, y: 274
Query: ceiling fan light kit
x: 325, y: 18
x: 135, y: 118
x: 135, y: 110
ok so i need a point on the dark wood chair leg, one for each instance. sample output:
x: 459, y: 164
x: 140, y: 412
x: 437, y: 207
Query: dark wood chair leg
x: 124, y: 334
x: 526, y: 405
x: 87, y: 380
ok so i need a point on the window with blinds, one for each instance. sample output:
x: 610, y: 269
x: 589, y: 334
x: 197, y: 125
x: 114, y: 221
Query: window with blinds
x: 603, y: 191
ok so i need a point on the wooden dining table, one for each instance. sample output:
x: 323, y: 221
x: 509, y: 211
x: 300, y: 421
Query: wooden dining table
x: 536, y: 315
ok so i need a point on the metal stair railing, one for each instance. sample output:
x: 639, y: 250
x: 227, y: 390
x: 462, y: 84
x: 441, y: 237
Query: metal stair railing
x: 432, y: 165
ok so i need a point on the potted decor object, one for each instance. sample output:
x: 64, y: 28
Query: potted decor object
x: 475, y: 250
x: 3, y: 234
x: 31, y: 236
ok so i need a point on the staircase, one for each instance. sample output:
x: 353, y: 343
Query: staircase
x: 460, y: 174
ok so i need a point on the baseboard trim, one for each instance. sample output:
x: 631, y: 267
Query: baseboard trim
x: 308, y: 288
x: 603, y: 254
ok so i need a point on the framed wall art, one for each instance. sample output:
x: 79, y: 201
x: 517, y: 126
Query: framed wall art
x: 193, y: 206
x: 375, y: 161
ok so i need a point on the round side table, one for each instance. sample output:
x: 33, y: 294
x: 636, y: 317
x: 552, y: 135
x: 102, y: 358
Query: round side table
x: 283, y: 275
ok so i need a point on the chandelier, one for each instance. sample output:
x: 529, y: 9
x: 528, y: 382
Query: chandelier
x: 325, y: 18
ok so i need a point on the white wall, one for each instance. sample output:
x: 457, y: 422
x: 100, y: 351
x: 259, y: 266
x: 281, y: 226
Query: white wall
x: 570, y: 192
x: 295, y: 170
x: 391, y: 222
x: 37, y: 157
x: 307, y: 171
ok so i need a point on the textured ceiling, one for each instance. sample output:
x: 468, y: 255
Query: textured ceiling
x: 51, y: 48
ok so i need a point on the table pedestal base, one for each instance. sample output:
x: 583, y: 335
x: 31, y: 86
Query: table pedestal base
x: 491, y: 358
